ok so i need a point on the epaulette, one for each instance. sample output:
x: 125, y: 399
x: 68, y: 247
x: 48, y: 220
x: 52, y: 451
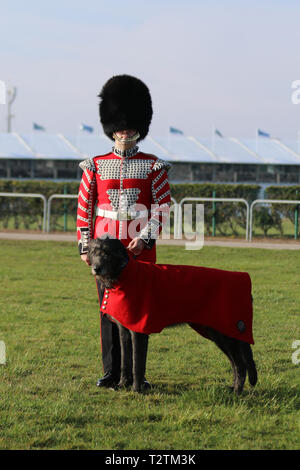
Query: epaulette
x: 88, y: 164
x: 161, y: 164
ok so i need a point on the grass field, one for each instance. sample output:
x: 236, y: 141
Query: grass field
x: 50, y: 324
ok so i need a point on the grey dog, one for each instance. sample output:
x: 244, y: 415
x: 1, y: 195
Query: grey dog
x: 108, y: 257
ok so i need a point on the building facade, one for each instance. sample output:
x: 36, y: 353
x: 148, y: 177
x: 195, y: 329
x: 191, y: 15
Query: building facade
x: 56, y: 157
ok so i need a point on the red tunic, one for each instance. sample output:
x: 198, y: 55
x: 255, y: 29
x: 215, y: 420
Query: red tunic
x: 149, y: 297
x: 113, y: 183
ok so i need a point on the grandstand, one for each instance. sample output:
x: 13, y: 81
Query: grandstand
x: 39, y: 155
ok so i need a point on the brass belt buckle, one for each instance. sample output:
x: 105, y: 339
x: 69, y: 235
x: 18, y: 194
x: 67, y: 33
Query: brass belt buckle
x: 123, y: 215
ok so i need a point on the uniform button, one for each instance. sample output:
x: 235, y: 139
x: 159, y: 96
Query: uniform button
x: 106, y: 296
x: 241, y: 326
x: 105, y: 302
x: 103, y: 307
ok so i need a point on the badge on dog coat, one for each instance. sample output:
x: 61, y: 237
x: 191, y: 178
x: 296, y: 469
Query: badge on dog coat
x: 149, y: 297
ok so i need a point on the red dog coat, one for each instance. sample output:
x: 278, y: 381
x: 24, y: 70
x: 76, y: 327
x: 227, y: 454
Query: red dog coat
x: 148, y: 297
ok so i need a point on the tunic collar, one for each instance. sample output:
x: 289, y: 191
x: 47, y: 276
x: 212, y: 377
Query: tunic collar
x: 125, y: 153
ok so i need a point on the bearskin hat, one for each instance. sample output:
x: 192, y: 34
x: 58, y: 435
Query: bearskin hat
x: 125, y: 104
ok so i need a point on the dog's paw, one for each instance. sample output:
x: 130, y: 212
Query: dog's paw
x: 143, y: 387
x: 125, y: 383
x: 138, y: 389
x: 234, y: 390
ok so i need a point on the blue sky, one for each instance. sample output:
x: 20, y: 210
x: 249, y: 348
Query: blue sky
x: 228, y: 64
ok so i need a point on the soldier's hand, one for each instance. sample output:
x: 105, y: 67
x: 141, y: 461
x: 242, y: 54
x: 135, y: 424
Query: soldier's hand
x: 85, y: 258
x: 136, y: 246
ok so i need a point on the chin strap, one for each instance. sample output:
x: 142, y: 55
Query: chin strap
x: 127, y: 139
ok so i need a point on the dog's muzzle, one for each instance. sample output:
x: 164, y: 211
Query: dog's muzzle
x: 96, y: 270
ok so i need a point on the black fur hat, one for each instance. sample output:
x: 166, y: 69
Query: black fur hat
x: 125, y: 104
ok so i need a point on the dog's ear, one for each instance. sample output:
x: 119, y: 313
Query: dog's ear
x: 91, y: 244
x: 104, y: 236
x: 110, y: 244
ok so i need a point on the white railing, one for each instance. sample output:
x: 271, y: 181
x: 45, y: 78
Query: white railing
x: 177, y: 208
x: 266, y: 201
x: 57, y: 196
x: 211, y: 199
x: 41, y: 196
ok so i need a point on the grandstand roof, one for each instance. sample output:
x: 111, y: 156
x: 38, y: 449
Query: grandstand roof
x: 174, y: 148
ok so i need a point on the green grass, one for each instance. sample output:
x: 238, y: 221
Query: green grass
x: 50, y: 324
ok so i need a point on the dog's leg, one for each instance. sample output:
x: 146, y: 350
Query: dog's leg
x: 126, y: 357
x: 139, y: 347
x: 231, y: 348
x: 249, y: 363
x: 242, y: 361
x: 239, y: 364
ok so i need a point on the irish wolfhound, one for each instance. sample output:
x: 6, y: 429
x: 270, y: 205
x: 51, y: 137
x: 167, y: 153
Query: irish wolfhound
x: 109, y: 260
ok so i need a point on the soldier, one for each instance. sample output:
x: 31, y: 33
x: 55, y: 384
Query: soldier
x: 118, y: 191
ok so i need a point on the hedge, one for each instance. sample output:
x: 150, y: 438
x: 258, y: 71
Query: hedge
x: 27, y: 213
x: 18, y: 213
x: 274, y: 214
x: 230, y: 218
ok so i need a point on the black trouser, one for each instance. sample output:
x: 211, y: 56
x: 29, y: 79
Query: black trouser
x: 110, y: 341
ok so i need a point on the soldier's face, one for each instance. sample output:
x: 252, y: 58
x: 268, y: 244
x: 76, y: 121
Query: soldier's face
x: 126, y: 133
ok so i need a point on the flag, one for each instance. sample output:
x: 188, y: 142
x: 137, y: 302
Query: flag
x: 175, y: 131
x: 262, y: 133
x: 37, y: 127
x: 84, y: 127
x: 218, y: 133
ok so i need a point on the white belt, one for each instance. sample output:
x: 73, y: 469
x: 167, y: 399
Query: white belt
x: 121, y: 215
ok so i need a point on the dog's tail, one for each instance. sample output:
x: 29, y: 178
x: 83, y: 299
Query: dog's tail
x: 249, y: 363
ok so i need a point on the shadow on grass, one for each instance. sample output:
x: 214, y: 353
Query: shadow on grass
x: 259, y: 398
x: 282, y: 398
x: 169, y: 388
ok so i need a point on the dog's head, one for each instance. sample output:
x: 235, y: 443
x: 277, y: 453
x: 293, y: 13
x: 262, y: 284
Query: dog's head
x: 108, y: 257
